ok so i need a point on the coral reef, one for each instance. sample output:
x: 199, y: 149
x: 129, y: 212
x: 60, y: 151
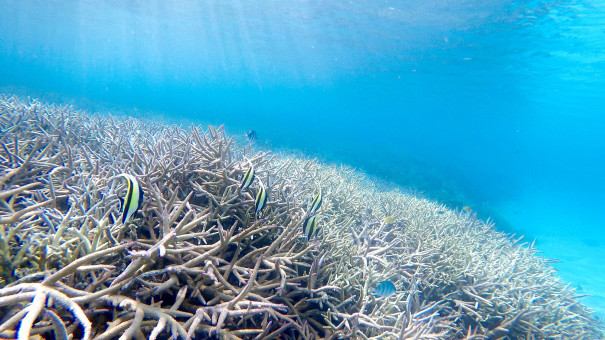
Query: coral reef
x: 196, y: 261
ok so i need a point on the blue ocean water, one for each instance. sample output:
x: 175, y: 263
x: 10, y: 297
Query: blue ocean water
x: 498, y: 105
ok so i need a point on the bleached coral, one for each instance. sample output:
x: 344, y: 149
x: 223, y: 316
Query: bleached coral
x: 198, y: 262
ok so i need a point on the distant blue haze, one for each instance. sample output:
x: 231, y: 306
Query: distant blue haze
x: 495, y: 104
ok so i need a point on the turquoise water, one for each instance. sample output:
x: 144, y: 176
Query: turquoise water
x: 498, y: 105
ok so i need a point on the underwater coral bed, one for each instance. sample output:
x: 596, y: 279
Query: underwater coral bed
x: 202, y: 258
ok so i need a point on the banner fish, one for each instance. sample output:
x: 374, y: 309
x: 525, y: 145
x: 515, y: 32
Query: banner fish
x: 133, y: 199
x: 316, y: 202
x: 251, y: 134
x: 261, y: 199
x: 248, y: 177
x: 310, y: 226
x: 384, y: 289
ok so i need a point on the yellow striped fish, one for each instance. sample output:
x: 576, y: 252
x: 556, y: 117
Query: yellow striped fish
x: 133, y: 199
x: 261, y: 199
x: 248, y: 177
x: 310, y: 226
x: 316, y: 202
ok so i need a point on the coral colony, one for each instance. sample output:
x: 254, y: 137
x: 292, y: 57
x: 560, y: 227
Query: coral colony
x: 200, y: 254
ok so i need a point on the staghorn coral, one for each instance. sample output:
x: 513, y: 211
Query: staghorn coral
x: 197, y: 262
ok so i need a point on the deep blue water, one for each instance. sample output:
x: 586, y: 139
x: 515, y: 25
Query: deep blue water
x: 495, y: 104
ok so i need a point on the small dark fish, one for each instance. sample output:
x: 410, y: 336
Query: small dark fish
x: 251, y: 134
x: 261, y: 199
x: 310, y: 226
x: 384, y: 289
x: 317, y: 200
x: 133, y: 199
x: 63, y: 203
x: 248, y: 177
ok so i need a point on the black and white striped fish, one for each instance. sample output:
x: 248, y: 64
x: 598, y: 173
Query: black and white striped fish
x: 133, y: 199
x: 316, y: 202
x: 251, y: 134
x: 310, y: 226
x: 261, y: 199
x: 248, y: 177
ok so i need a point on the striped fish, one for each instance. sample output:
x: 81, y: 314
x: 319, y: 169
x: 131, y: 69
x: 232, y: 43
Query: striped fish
x: 261, y: 199
x: 310, y: 226
x: 316, y: 202
x: 248, y: 177
x: 384, y: 289
x: 133, y: 200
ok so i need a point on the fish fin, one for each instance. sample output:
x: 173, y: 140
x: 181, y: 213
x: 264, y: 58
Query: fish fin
x: 141, y: 197
x: 124, y: 216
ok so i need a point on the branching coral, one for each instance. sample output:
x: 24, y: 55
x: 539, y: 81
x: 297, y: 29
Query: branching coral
x: 197, y: 262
